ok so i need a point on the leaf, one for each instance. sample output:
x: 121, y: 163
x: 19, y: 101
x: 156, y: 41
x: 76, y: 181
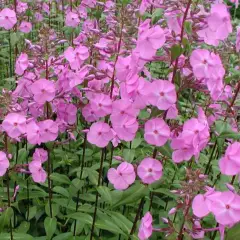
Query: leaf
x: 23, y: 227
x: 233, y: 233
x: 60, y: 178
x: 188, y: 27
x: 83, y: 217
x: 109, y: 226
x: 166, y: 150
x: 5, y: 218
x: 16, y: 236
x: 92, y: 175
x: 129, y: 154
x: 136, y: 142
x: 157, y: 15
x: 63, y: 236
x: 32, y: 213
x: 61, y: 190
x: 55, y: 209
x: 105, y: 194
x: 176, y: 51
x: 50, y: 225
x: 166, y: 192
x: 132, y: 194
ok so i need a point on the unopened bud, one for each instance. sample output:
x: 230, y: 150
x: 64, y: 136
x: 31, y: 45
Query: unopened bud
x: 172, y: 211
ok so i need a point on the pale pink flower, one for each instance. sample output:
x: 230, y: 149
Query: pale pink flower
x: 149, y: 170
x: 4, y: 163
x: 146, y: 228
x: 89, y: 113
x: 156, y: 132
x: 100, y: 134
x: 14, y: 124
x: 40, y: 155
x: 25, y: 27
x: 33, y: 133
x: 43, y: 91
x: 48, y: 130
x: 7, y: 18
x: 21, y: 64
x: 38, y: 173
x: 72, y: 19
x: 21, y: 7
x: 162, y: 94
x: 122, y: 177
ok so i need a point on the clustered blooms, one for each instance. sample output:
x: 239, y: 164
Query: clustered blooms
x: 102, y: 79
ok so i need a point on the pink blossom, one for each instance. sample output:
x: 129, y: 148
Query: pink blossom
x: 7, y: 18
x: 21, y: 7
x: 149, y: 41
x: 156, y: 132
x: 4, y: 163
x: 125, y: 127
x: 162, y: 94
x: 40, y: 155
x: 21, y: 64
x: 89, y: 113
x: 33, y: 133
x: 67, y: 113
x: 38, y: 173
x: 230, y: 163
x: 25, y: 27
x: 226, y: 208
x: 122, y: 177
x: 14, y: 124
x: 48, y: 130
x: 100, y: 134
x: 76, y: 56
x: 146, y: 229
x: 43, y: 91
x: 149, y: 170
x: 72, y: 19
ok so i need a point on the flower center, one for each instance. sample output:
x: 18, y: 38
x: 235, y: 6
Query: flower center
x: 227, y: 206
x: 43, y: 91
x: 149, y: 170
x: 15, y: 124
x: 99, y: 133
x: 100, y: 105
x: 161, y: 94
x: 122, y: 112
x: 155, y: 131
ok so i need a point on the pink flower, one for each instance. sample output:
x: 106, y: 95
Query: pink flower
x: 7, y: 18
x: 4, y: 163
x: 33, y: 133
x: 43, y: 91
x: 122, y: 177
x: 21, y: 7
x: 21, y: 64
x: 100, y: 134
x: 89, y: 114
x: 77, y: 56
x: 101, y: 104
x: 38, y: 173
x: 14, y: 124
x: 72, y: 19
x: 162, y: 94
x: 230, y: 163
x: 48, y: 130
x: 149, y: 170
x: 40, y: 155
x: 156, y: 132
x: 226, y: 208
x: 67, y: 113
x: 146, y: 229
x: 25, y: 27
x: 125, y: 127
x: 149, y: 41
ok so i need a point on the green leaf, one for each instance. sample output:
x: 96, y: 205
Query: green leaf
x: 5, y: 218
x: 105, y: 194
x: 233, y: 233
x: 16, y: 236
x: 23, y: 227
x: 132, y: 194
x: 157, y: 15
x: 136, y: 142
x: 63, y: 236
x: 109, y: 226
x: 166, y: 150
x: 83, y: 217
x: 129, y: 154
x: 188, y: 27
x: 61, y: 190
x: 61, y: 178
x: 50, y: 225
x: 55, y: 209
x: 32, y: 213
x: 166, y: 192
x: 176, y: 51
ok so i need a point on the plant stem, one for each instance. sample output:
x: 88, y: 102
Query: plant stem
x: 97, y: 194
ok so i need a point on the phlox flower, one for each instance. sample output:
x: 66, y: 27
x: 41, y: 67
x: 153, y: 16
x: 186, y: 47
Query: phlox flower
x: 38, y: 173
x: 40, y: 155
x: 25, y: 27
x: 21, y: 64
x: 72, y: 19
x: 4, y: 163
x: 146, y: 228
x: 7, y: 18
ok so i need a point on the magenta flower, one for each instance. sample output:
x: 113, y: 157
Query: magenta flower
x: 89, y: 114
x: 38, y: 173
x: 149, y: 41
x: 149, y: 170
x: 21, y: 64
x: 40, y: 155
x: 7, y: 18
x: 33, y: 133
x: 25, y: 27
x: 162, y: 94
x: 100, y: 134
x: 125, y: 127
x: 72, y: 19
x: 156, y: 132
x: 4, y: 163
x: 48, y: 130
x: 146, y: 228
x: 122, y: 177
x: 14, y: 124
x: 21, y: 7
x: 226, y: 208
x: 43, y: 91
x: 77, y: 56
x: 230, y: 163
